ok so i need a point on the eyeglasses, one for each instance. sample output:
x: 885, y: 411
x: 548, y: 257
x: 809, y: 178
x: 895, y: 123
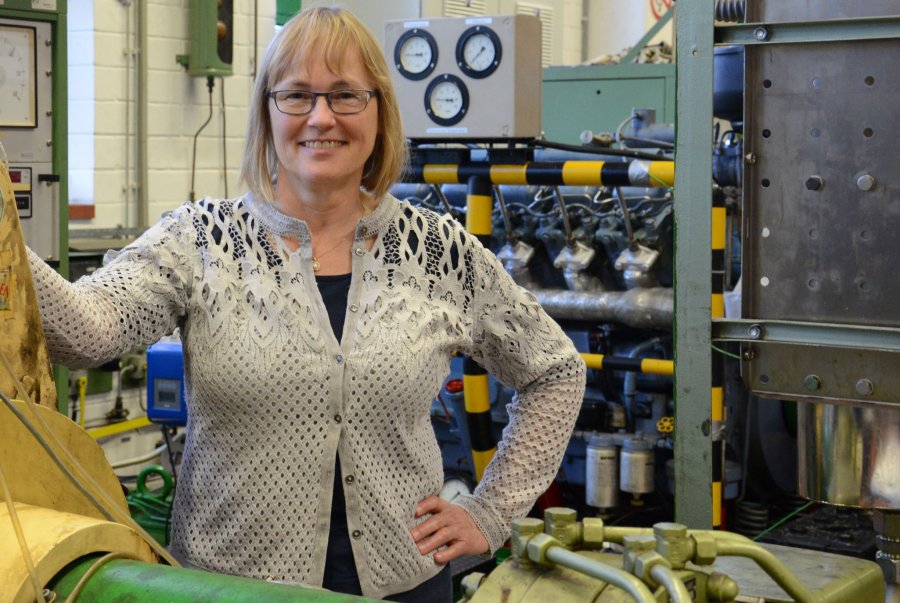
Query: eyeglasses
x: 301, y: 102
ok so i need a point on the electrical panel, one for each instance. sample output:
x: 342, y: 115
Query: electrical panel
x: 212, y: 38
x: 467, y: 78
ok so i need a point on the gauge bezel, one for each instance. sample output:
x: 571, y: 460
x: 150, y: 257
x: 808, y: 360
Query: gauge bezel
x: 31, y: 76
x: 432, y: 43
x: 464, y: 92
x: 461, y: 47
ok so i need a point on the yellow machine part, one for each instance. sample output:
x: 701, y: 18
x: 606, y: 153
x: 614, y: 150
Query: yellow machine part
x: 55, y: 539
x: 512, y: 582
x: 20, y: 322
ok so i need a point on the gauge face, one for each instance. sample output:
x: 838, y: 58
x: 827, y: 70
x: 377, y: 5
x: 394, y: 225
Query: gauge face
x: 17, y: 77
x: 446, y: 100
x: 453, y: 488
x: 415, y: 54
x: 478, y: 51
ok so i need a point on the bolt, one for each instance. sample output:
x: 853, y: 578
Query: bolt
x: 761, y: 33
x: 750, y: 158
x: 756, y: 331
x: 811, y: 383
x: 749, y: 354
x: 814, y: 183
x: 864, y: 387
x: 865, y: 182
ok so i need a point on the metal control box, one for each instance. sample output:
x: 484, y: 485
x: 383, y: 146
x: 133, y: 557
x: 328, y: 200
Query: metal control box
x: 475, y: 78
x: 165, y: 384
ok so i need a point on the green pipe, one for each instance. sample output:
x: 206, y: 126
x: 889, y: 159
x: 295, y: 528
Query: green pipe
x: 139, y: 582
x: 596, y: 569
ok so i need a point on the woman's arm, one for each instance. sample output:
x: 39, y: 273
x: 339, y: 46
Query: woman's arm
x: 138, y: 296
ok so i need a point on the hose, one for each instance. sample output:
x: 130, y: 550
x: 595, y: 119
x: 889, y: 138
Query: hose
x: 139, y: 459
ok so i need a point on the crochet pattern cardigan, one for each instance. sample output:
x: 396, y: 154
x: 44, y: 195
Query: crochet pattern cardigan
x: 273, y: 396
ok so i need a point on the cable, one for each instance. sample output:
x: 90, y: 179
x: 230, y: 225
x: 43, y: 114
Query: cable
x: 210, y: 83
x: 82, y: 582
x: 165, y: 431
x: 224, y: 137
x: 725, y: 352
x: 782, y: 520
x: 20, y: 536
x: 53, y: 455
x: 139, y: 459
x: 600, y: 150
x: 122, y: 516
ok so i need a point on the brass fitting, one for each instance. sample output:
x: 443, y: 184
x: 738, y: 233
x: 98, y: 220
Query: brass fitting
x: 592, y: 533
x: 538, y: 546
x: 522, y: 531
x: 673, y: 543
x: 705, y: 549
x: 721, y: 588
x: 636, y: 545
x: 562, y: 524
x: 471, y: 582
x: 644, y: 562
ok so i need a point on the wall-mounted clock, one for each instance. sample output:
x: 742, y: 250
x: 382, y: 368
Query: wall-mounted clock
x: 18, y: 77
x: 478, y: 51
x: 446, y: 100
x: 415, y: 54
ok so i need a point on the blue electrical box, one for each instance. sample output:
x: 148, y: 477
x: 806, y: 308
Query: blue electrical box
x: 165, y: 384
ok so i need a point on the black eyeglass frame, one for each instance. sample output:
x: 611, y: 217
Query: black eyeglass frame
x: 370, y: 94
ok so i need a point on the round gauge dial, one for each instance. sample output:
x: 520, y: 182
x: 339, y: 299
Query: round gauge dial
x: 453, y: 488
x: 415, y: 54
x: 478, y: 51
x: 446, y: 100
x: 17, y: 76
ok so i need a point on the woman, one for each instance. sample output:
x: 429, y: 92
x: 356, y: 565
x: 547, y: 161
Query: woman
x: 318, y: 316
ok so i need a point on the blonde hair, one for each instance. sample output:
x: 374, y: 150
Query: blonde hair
x: 331, y: 33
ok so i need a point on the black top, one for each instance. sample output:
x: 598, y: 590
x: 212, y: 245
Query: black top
x: 340, y: 570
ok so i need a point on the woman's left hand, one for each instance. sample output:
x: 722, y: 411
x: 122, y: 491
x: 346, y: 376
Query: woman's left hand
x: 448, y: 525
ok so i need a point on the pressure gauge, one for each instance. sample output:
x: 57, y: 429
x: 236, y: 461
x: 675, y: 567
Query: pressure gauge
x: 415, y: 54
x: 446, y: 100
x: 18, y: 99
x: 453, y: 488
x: 478, y: 51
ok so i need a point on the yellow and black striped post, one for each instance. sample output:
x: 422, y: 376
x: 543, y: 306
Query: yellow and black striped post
x: 717, y: 415
x: 637, y: 172
x: 652, y: 366
x: 479, y: 209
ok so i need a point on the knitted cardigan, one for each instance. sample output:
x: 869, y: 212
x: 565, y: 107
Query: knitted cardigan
x: 273, y: 396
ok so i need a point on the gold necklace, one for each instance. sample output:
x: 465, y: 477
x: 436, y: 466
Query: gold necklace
x: 316, y: 265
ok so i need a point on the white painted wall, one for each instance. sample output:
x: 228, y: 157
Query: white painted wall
x: 102, y: 94
x: 102, y: 108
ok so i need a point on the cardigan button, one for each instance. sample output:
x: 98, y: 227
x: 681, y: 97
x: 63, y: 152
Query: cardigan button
x: 354, y: 307
x: 338, y: 418
x: 357, y: 534
x: 339, y: 359
x: 359, y: 251
x: 349, y: 479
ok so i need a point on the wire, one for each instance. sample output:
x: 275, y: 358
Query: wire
x: 725, y: 352
x: 165, y: 431
x: 224, y: 136
x: 210, y: 83
x: 600, y: 150
x: 79, y: 586
x: 782, y: 520
x: 28, y: 425
x: 20, y: 536
x: 123, y: 517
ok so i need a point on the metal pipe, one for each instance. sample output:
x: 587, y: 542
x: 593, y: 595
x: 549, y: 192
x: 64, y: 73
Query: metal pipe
x: 637, y: 172
x: 769, y: 564
x: 677, y: 591
x: 640, y: 308
x: 121, y: 580
x: 617, y: 577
